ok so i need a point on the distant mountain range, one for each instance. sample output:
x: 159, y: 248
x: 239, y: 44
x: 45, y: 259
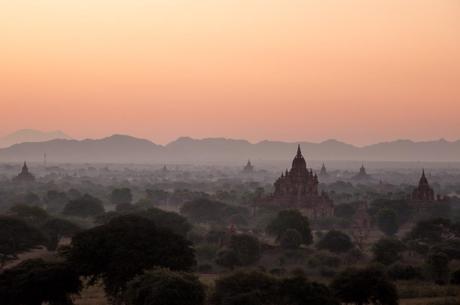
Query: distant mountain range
x: 31, y: 135
x: 127, y: 149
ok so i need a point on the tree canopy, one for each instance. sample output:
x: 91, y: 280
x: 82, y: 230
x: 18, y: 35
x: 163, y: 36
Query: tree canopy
x: 259, y: 288
x: 388, y: 250
x: 33, y: 215
x: 121, y: 249
x: 387, y: 221
x: 16, y: 236
x: 163, y: 219
x: 57, y: 228
x: 165, y: 287
x: 121, y: 195
x: 290, y: 219
x: 85, y: 206
x: 335, y: 241
x: 205, y: 210
x: 34, y: 282
x: 364, y: 286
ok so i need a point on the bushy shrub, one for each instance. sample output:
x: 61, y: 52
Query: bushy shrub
x: 291, y: 239
x: 399, y: 271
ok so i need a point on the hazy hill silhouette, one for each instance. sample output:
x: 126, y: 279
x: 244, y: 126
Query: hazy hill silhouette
x: 127, y: 149
x: 31, y: 135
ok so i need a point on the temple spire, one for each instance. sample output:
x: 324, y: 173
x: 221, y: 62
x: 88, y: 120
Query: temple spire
x: 299, y: 152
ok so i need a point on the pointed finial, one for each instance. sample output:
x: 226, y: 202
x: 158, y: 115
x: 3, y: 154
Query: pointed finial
x: 299, y: 152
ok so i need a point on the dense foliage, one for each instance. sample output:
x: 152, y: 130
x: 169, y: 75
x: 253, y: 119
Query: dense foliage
x: 85, y: 206
x: 17, y: 236
x: 290, y: 219
x: 364, y: 286
x: 165, y: 287
x: 335, y: 241
x: 123, y: 248
x: 34, y: 282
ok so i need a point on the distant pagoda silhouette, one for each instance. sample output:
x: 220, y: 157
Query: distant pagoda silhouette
x: 24, y: 175
x: 248, y: 168
x: 423, y: 192
x: 362, y: 175
x: 298, y: 188
x: 323, y: 171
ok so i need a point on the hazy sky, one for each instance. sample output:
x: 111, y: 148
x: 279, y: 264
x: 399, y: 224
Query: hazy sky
x: 361, y: 71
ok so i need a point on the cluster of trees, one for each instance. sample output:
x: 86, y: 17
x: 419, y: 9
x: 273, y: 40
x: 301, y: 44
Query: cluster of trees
x: 114, y: 253
x: 205, y: 210
x: 28, y: 227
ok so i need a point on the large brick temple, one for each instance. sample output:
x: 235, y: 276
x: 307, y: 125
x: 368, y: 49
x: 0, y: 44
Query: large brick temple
x: 298, y: 188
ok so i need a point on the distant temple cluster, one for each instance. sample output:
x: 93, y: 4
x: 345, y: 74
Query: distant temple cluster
x: 298, y: 188
x: 24, y: 175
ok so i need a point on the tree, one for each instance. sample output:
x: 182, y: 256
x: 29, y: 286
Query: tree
x: 34, y: 282
x: 165, y: 287
x: 85, y: 206
x: 227, y: 258
x: 33, y: 215
x: 245, y: 288
x: 438, y: 267
x: 246, y: 248
x: 204, y: 210
x: 401, y: 207
x: 291, y: 239
x: 259, y: 288
x: 439, y: 234
x: 387, y: 221
x: 455, y: 277
x: 335, y: 241
x: 56, y: 228
x: 169, y: 220
x: 163, y: 219
x: 55, y: 201
x: 345, y: 211
x: 298, y: 290
x: 432, y: 231
x: 388, y: 250
x: 399, y: 271
x: 17, y: 236
x: 364, y: 286
x: 450, y: 247
x: 118, y: 251
x: 290, y: 219
x: 121, y: 195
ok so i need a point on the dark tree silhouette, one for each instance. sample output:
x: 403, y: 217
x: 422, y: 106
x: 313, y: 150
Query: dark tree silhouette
x: 56, y: 228
x: 290, y: 219
x: 388, y: 250
x: 165, y: 287
x: 387, y: 221
x: 291, y: 239
x: 163, y: 219
x: 33, y: 215
x: 85, y: 206
x: 246, y: 248
x: 121, y: 195
x: 17, y: 236
x: 34, y: 282
x: 335, y: 241
x: 246, y: 287
x: 364, y: 286
x: 125, y: 247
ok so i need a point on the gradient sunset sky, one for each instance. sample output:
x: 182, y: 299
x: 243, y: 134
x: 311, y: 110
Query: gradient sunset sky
x: 360, y: 71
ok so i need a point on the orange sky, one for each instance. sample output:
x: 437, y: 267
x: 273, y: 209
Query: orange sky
x: 356, y: 70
